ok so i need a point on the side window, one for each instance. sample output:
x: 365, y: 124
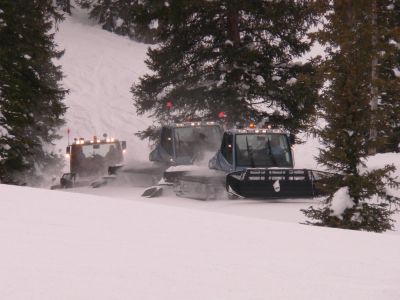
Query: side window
x: 226, y: 147
x: 166, y: 140
x: 280, y: 149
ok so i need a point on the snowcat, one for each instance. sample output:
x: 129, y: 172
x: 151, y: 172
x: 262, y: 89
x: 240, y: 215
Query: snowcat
x: 179, y: 145
x: 89, y: 160
x: 251, y: 163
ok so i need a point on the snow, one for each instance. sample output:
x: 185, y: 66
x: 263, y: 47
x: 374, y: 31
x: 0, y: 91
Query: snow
x: 276, y: 78
x: 396, y: 72
x: 110, y: 243
x: 244, y: 86
x: 221, y: 80
x: 119, y: 22
x: 340, y: 202
x: 153, y: 24
x: 73, y: 246
x: 228, y: 43
x: 260, y: 80
x: 291, y: 81
x: 378, y: 160
x: 394, y: 43
x: 187, y: 168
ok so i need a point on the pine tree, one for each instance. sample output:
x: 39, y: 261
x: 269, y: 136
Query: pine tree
x: 125, y: 17
x: 235, y: 56
x: 31, y: 107
x: 354, y: 74
x: 388, y: 73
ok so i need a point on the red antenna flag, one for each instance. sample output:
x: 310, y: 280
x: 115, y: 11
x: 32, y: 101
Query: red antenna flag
x: 68, y: 132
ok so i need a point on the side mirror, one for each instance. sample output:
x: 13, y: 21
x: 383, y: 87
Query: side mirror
x: 68, y: 150
x: 292, y: 139
x: 155, y: 154
x: 123, y: 145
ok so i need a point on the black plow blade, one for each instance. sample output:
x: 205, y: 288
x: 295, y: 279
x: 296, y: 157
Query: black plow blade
x: 276, y: 183
x: 153, y: 191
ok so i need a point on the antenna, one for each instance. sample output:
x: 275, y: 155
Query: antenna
x: 68, y: 132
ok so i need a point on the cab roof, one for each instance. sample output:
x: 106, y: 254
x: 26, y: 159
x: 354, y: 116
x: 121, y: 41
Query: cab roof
x: 191, y: 124
x: 82, y: 141
x: 256, y: 131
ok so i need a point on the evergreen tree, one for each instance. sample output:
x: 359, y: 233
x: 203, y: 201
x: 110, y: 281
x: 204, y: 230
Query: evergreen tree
x: 355, y: 73
x: 387, y: 80
x: 125, y: 17
x: 235, y: 56
x: 31, y: 105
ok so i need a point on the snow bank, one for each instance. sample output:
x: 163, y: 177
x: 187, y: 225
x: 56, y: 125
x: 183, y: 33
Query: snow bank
x: 60, y: 245
x: 340, y: 202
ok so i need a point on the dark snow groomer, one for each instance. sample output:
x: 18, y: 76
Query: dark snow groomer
x: 90, y: 159
x: 180, y: 145
x: 260, y: 164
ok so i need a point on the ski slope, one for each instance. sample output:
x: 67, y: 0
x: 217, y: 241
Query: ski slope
x: 61, y: 245
x: 110, y: 243
x: 99, y: 68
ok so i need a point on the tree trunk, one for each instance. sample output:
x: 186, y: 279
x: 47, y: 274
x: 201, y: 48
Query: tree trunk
x: 233, y: 22
x: 374, y: 92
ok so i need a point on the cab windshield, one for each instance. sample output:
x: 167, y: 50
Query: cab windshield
x: 89, y: 159
x: 109, y: 150
x: 192, y: 140
x: 262, y: 150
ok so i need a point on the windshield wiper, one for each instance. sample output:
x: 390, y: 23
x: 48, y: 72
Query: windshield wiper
x: 178, y: 144
x: 250, y: 152
x: 273, y: 158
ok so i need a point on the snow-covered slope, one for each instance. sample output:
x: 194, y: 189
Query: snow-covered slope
x: 58, y: 245
x: 99, y: 69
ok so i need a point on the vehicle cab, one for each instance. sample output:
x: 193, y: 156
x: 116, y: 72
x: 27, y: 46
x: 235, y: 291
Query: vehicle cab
x: 182, y: 143
x: 93, y: 157
x: 253, y: 148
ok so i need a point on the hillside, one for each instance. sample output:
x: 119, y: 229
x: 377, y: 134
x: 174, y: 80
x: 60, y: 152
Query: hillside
x: 99, y: 69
